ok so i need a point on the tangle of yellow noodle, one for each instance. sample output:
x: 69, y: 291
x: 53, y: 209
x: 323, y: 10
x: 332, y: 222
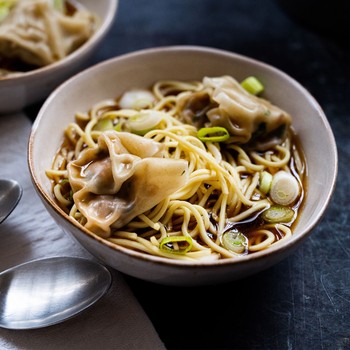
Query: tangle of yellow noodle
x: 222, y: 190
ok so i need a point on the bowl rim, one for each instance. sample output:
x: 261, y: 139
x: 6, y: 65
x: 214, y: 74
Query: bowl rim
x: 101, y: 30
x: 277, y: 248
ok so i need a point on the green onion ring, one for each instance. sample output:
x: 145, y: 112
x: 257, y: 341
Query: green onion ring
x: 167, y: 244
x: 213, y: 134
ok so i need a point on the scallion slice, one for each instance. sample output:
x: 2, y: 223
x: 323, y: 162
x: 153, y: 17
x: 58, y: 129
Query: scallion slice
x: 104, y: 125
x: 176, y: 244
x: 144, y: 121
x: 278, y: 214
x: 213, y: 134
x: 284, y: 188
x: 59, y: 5
x: 265, y: 182
x: 252, y: 85
x: 5, y: 7
x: 136, y: 99
x: 235, y: 241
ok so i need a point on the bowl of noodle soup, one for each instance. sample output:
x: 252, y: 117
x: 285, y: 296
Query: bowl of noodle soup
x: 184, y: 165
x: 41, y: 46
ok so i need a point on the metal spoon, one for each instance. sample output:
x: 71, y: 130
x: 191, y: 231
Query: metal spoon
x: 10, y: 194
x: 44, y: 292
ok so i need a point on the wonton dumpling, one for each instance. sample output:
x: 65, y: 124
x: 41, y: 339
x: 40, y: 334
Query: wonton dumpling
x: 122, y: 178
x: 248, y: 118
x: 38, y: 34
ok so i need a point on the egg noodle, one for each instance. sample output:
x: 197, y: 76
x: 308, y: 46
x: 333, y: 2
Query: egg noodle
x: 222, y: 192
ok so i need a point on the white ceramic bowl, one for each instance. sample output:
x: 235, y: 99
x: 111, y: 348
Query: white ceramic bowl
x: 142, y: 68
x: 20, y: 91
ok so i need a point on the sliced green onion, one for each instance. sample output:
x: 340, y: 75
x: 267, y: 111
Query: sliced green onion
x: 265, y: 182
x: 277, y: 214
x: 176, y: 244
x: 59, y: 5
x: 118, y: 127
x: 104, y: 125
x: 5, y: 7
x: 235, y: 241
x: 213, y: 134
x: 252, y: 85
x: 144, y: 121
x: 284, y: 188
x: 136, y: 99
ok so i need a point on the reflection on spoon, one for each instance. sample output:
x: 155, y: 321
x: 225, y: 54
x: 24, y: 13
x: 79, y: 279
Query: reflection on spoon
x: 47, y: 291
x: 10, y: 194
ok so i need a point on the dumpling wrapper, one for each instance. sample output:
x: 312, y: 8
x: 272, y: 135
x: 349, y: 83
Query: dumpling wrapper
x: 38, y: 34
x: 122, y: 178
x: 247, y: 118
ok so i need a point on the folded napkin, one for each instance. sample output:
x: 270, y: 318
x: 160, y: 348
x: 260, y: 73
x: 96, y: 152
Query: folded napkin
x: 116, y: 321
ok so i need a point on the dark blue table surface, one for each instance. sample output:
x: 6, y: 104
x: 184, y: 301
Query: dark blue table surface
x: 304, y: 301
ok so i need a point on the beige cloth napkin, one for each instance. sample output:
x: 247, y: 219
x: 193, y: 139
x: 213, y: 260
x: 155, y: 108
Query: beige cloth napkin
x: 116, y: 321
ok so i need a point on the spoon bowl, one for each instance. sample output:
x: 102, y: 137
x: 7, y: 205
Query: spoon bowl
x: 10, y: 194
x: 44, y: 292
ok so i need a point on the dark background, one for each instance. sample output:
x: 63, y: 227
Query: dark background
x: 304, y: 301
